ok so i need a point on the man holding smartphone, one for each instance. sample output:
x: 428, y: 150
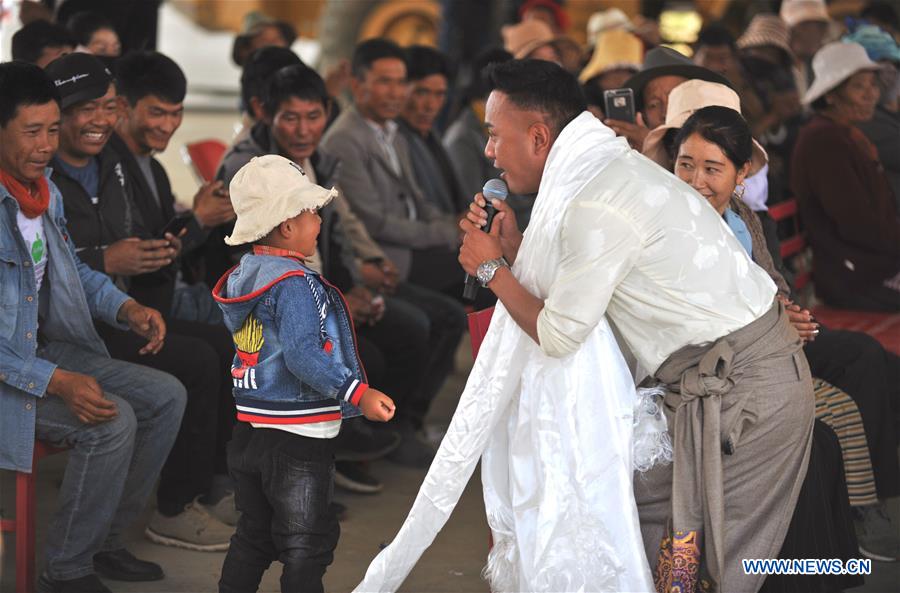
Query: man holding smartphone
x: 110, y: 235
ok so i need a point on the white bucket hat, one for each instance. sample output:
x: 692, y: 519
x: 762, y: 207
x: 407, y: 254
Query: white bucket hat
x: 684, y: 100
x: 267, y: 191
x: 835, y: 63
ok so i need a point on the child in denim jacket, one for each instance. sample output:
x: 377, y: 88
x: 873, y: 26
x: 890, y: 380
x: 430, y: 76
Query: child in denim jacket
x: 296, y: 375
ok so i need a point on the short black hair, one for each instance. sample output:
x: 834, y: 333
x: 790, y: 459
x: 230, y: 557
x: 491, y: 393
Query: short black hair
x: 22, y: 84
x: 423, y: 61
x: 144, y: 73
x: 542, y: 86
x: 722, y: 126
x: 84, y: 24
x: 298, y: 81
x: 259, y: 68
x: 30, y: 41
x: 368, y: 52
x: 716, y: 35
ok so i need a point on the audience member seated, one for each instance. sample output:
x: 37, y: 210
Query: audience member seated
x: 617, y: 57
x: 536, y: 40
x: 260, y: 31
x: 714, y: 153
x: 377, y: 176
x: 151, y: 91
x: 95, y: 34
x: 853, y: 361
x: 57, y: 382
x: 40, y: 42
x: 715, y: 50
x: 416, y: 329
x: 258, y: 70
x: 808, y: 23
x: 429, y: 77
x: 151, y: 94
x: 663, y: 70
x: 883, y: 130
x: 846, y: 200
x: 107, y: 231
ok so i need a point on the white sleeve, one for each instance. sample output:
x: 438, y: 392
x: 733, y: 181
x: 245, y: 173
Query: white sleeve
x: 599, y: 247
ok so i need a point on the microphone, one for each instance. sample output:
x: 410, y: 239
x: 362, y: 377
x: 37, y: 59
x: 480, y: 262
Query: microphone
x: 494, y: 189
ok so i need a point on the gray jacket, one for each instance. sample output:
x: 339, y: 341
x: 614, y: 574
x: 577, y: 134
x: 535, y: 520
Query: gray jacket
x: 380, y: 197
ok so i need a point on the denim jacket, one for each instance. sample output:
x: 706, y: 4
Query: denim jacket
x: 296, y: 360
x: 77, y: 294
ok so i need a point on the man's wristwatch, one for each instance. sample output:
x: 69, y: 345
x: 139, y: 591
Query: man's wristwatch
x: 485, y: 272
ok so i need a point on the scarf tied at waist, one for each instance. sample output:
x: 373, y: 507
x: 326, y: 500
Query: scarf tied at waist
x: 709, y: 415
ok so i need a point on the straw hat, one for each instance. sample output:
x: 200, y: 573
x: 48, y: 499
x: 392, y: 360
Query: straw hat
x: 614, y: 49
x: 606, y: 20
x: 523, y: 38
x: 835, y: 63
x: 267, y: 191
x: 684, y: 100
x: 794, y: 12
x: 767, y: 29
x: 664, y: 61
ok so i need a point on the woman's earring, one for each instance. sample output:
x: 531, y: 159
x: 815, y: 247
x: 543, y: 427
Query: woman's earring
x: 739, y: 190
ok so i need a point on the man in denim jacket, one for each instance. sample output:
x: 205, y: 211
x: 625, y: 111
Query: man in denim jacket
x: 57, y: 382
x: 296, y: 375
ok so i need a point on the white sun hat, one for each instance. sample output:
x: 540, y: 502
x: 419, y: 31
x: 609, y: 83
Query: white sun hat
x: 835, y: 63
x: 267, y: 191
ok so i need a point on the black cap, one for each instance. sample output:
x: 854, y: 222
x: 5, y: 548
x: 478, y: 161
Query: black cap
x: 78, y: 77
x: 664, y: 61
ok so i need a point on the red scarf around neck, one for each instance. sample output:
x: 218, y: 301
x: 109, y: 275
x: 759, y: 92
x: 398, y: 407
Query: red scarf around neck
x: 30, y: 204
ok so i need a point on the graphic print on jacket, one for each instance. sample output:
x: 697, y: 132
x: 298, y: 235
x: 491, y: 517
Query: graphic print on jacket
x: 248, y: 341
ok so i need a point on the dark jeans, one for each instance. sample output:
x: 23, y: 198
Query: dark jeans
x: 199, y: 355
x: 447, y: 319
x: 401, y: 339
x: 283, y: 489
x: 856, y: 363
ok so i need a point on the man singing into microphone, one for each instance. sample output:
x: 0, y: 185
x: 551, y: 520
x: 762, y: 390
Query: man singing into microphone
x: 548, y: 406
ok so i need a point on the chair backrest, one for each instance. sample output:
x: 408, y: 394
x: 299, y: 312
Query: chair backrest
x: 794, y: 244
x: 204, y: 157
x: 479, y: 322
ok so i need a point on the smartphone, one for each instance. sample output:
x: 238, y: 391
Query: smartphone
x: 619, y: 104
x: 175, y: 225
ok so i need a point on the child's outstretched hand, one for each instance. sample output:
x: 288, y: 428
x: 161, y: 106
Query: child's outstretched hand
x: 376, y: 406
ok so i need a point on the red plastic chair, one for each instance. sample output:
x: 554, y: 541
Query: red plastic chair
x: 884, y: 327
x: 204, y: 157
x: 794, y: 245
x: 23, y: 524
x: 479, y: 321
